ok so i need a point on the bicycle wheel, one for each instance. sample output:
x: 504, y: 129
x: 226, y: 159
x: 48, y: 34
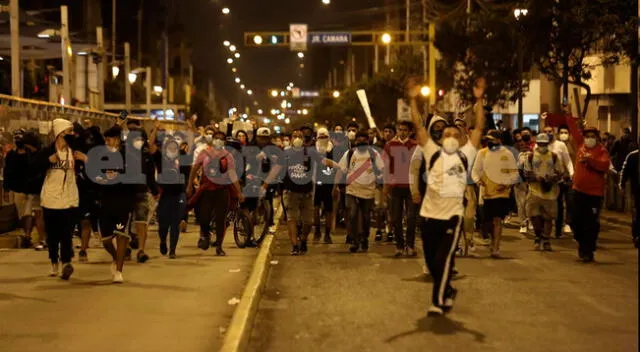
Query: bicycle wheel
x: 241, y: 229
x: 261, y: 220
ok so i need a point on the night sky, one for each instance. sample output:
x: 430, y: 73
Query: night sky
x: 206, y: 28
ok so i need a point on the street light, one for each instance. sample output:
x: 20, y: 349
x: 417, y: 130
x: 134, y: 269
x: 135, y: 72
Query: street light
x: 133, y: 77
x: 257, y: 39
x: 386, y: 38
x: 336, y: 94
x: 226, y: 43
x: 274, y: 93
x: 425, y: 91
x: 250, y: 92
x: 326, y: 2
x: 283, y: 104
x: 301, y: 55
x: 287, y: 121
x: 305, y: 112
x: 520, y: 12
x: 229, y: 60
x: 226, y: 11
x: 234, y: 70
x: 260, y: 112
x: 158, y: 90
x: 242, y: 86
x: 237, y: 55
x: 115, y: 71
x: 232, y: 48
x: 237, y: 80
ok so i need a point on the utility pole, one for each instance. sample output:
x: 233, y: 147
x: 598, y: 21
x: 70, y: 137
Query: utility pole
x: 149, y: 89
x: 432, y: 63
x: 127, y: 71
x: 425, y: 66
x: 407, y: 39
x: 16, y: 81
x: 520, y: 76
x: 113, y: 31
x: 139, y: 57
x: 66, y: 55
x: 100, y: 67
x: 376, y: 58
x: 634, y: 83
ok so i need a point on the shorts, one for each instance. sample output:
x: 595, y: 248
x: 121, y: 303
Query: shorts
x: 113, y: 221
x: 546, y: 208
x: 323, y: 197
x: 141, y: 208
x: 89, y: 208
x: 299, y: 207
x: 26, y: 204
x: 496, y: 208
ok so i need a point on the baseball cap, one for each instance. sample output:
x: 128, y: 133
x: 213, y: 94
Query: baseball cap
x: 263, y: 132
x: 493, y: 135
x: 542, y: 138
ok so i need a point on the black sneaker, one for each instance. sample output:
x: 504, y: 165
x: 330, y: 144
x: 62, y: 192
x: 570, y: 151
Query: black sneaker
x: 353, y: 248
x: 142, y: 257
x: 204, y: 242
x: 251, y: 244
x: 172, y: 254
x: 163, y: 248
x: 378, y: 237
x: 390, y: 237
x: 317, y: 236
x: 546, y: 246
x: 82, y: 256
x: 67, y: 270
x: 303, y: 247
x: 25, y: 242
x: 449, y: 300
x: 364, y: 246
x: 295, y: 251
x: 587, y: 258
x: 134, y: 243
x: 327, y: 239
x: 348, y: 239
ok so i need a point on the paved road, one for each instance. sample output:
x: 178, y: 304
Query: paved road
x: 330, y: 300
x: 164, y: 305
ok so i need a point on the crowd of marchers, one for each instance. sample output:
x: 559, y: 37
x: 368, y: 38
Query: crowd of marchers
x: 453, y: 180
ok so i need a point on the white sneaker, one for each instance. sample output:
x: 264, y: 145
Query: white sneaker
x: 530, y: 227
x: 117, y: 277
x: 566, y: 229
x: 523, y: 230
x: 55, y: 270
x: 114, y: 268
x: 435, y: 310
x: 272, y: 229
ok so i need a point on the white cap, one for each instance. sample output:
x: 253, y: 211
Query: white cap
x: 60, y: 125
x: 542, y: 138
x: 323, y: 132
x: 264, y: 132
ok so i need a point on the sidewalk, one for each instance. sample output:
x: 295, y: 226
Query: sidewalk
x: 164, y: 305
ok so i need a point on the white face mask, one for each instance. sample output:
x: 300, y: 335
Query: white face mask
x: 112, y: 149
x: 351, y: 135
x: 298, y: 142
x: 543, y: 150
x: 208, y: 138
x: 218, y: 143
x: 590, y: 142
x: 563, y: 137
x: 322, y: 144
x: 172, y: 154
x: 138, y: 144
x: 450, y: 145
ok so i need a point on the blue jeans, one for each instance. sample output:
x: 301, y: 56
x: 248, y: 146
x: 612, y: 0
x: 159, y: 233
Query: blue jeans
x: 171, y: 209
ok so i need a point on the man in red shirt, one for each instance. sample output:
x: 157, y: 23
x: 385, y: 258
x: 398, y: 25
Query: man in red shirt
x: 398, y: 152
x: 589, y: 182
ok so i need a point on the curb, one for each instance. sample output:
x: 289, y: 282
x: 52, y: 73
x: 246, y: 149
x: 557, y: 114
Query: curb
x: 9, y: 240
x: 617, y: 220
x: 237, y: 336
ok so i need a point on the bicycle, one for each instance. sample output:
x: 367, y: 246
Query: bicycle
x: 237, y: 217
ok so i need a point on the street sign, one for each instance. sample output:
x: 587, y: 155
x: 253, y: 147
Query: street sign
x: 404, y: 111
x: 298, y: 36
x: 330, y: 38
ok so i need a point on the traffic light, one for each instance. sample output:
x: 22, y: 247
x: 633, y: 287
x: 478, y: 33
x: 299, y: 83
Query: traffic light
x: 265, y: 39
x: 441, y: 93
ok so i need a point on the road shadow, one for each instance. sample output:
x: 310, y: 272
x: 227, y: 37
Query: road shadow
x: 23, y: 280
x: 441, y: 325
x: 10, y: 297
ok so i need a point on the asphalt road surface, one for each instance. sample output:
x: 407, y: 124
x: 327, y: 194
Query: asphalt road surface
x: 331, y: 300
x: 164, y: 305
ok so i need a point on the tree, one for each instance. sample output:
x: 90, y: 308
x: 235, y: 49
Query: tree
x: 572, y: 31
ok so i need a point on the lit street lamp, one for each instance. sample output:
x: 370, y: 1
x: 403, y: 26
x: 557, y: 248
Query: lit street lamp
x: 237, y: 55
x: 301, y: 55
x: 336, y: 94
x: 115, y: 71
x: 133, y: 77
x: 226, y: 43
x: 157, y: 90
x: 326, y: 2
x: 242, y: 86
x: 250, y: 92
x: 237, y: 80
x: 229, y: 60
x: 386, y: 38
x: 226, y: 11
x: 425, y: 91
x: 232, y: 48
x: 257, y: 39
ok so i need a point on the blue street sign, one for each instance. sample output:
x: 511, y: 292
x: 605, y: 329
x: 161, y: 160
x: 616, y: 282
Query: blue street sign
x: 330, y: 38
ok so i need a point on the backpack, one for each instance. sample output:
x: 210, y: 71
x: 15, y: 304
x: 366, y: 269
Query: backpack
x: 372, y: 156
x: 554, y: 157
x: 461, y: 155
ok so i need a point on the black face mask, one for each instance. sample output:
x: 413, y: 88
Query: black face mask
x: 493, y: 146
x: 72, y: 140
x: 362, y: 145
x: 436, y: 135
x: 20, y: 144
x: 308, y: 139
x: 526, y: 137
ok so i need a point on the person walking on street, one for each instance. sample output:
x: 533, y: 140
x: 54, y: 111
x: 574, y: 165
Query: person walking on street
x: 397, y: 154
x: 443, y: 205
x: 495, y: 169
x: 323, y: 191
x: 543, y: 170
x: 364, y: 169
x: 589, y: 185
x: 629, y: 172
x: 560, y: 149
x: 59, y: 196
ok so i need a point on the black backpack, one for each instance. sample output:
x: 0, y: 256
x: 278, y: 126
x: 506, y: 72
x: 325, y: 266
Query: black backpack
x: 372, y: 156
x: 422, y: 183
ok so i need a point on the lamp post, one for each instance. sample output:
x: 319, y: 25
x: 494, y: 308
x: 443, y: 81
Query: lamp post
x: 519, y: 13
x: 16, y: 86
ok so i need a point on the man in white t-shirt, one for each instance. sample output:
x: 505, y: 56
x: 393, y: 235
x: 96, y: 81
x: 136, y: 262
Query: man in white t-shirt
x: 443, y: 205
x: 364, y: 169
